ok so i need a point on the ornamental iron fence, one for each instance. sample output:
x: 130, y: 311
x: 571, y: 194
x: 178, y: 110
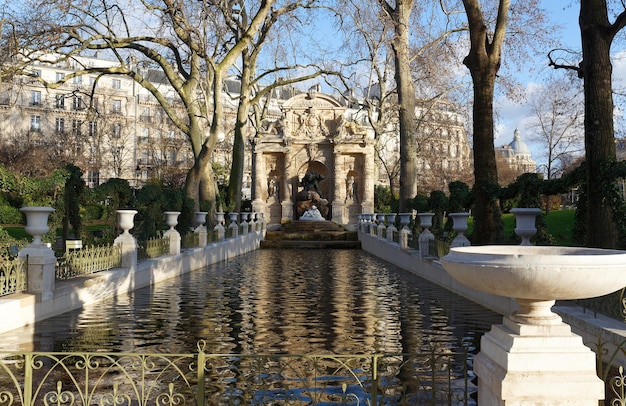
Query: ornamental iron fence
x: 153, y: 248
x: 88, y: 260
x: 190, y: 240
x: 440, y: 377
x: 13, y: 275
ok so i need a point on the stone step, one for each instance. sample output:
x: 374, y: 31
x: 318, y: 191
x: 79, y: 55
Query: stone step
x: 312, y: 236
x: 310, y: 226
x: 306, y: 244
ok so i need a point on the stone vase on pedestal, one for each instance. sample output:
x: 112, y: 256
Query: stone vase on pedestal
x: 173, y: 234
x: 533, y: 357
x: 201, y: 230
x: 391, y: 227
x: 380, y: 230
x: 525, y: 223
x: 219, y: 228
x: 460, y: 226
x: 426, y: 221
x: 41, y: 259
x: 405, y: 231
x: 233, y: 226
x: 245, y: 216
x: 125, y: 221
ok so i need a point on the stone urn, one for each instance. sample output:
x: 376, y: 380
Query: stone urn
x: 171, y: 219
x: 525, y: 223
x: 200, y: 218
x: 405, y: 220
x: 126, y: 220
x: 232, y: 217
x: 219, y: 217
x: 533, y: 354
x: 37, y: 222
x: 459, y: 224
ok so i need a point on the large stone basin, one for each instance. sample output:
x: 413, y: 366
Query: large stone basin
x: 536, y: 276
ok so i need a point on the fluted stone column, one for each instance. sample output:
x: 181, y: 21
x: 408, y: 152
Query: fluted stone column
x: 338, y: 195
x: 368, y: 184
x: 288, y: 188
x: 260, y: 179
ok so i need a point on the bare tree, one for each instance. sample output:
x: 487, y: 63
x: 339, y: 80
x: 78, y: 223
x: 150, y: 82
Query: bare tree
x: 558, y: 112
x: 399, y: 13
x: 253, y: 92
x: 487, y: 32
x: 375, y: 40
x: 191, y: 43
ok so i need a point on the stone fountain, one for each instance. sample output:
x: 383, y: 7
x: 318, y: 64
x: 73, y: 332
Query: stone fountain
x: 533, y: 358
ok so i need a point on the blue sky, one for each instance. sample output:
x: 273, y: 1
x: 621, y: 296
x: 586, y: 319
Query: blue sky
x: 515, y: 114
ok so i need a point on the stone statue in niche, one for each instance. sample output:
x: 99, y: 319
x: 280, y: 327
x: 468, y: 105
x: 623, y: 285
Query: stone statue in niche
x: 351, y: 195
x: 272, y: 188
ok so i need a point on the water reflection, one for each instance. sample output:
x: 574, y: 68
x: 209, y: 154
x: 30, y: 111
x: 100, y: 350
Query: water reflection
x: 273, y: 301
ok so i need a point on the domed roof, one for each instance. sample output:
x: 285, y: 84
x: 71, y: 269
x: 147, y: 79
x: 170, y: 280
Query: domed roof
x: 518, y: 145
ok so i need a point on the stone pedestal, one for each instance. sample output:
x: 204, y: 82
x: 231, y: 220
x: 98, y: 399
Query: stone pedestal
x: 522, y: 364
x: 41, y: 270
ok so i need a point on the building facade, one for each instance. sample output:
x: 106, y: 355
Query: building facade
x: 111, y: 127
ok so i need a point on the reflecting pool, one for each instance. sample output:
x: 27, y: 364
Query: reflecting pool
x: 272, y: 302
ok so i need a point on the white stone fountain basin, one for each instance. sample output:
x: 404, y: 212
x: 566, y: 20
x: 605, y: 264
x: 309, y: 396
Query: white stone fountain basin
x: 538, y: 273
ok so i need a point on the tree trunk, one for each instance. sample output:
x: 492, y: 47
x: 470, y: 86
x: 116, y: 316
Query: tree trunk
x: 200, y: 182
x: 486, y: 209
x: 483, y: 62
x: 236, y: 171
x: 406, y: 102
x: 599, y: 131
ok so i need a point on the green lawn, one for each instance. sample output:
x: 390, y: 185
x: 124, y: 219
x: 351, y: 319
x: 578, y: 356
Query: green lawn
x: 560, y: 225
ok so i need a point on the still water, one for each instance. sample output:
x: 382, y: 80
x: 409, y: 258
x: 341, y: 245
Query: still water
x: 272, y: 302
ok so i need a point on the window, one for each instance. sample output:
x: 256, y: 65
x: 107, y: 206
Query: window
x: 92, y: 81
x: 37, y: 72
x: 78, y: 103
x: 35, y: 98
x: 59, y: 101
x: 77, y: 80
x: 116, y: 130
x: 116, y: 83
x: 171, y: 156
x: 77, y: 127
x: 93, y: 128
x: 60, y: 125
x: 60, y: 76
x: 35, y: 123
x: 93, y: 178
x: 145, y: 132
x: 116, y: 106
x: 172, y: 134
